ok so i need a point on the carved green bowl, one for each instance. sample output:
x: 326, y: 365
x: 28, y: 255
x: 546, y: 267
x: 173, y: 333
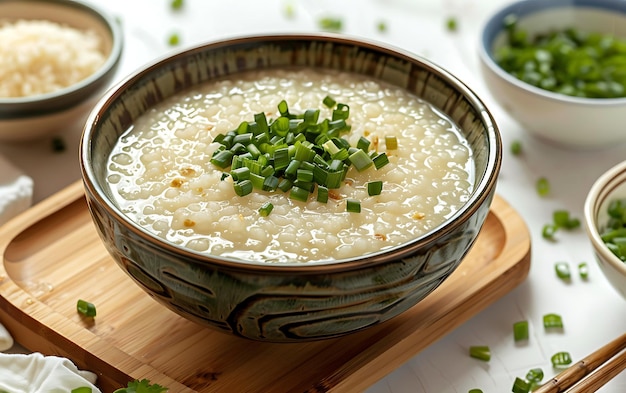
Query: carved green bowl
x: 288, y: 302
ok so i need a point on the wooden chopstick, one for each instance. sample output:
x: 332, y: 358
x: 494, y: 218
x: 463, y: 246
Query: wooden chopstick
x: 601, y: 366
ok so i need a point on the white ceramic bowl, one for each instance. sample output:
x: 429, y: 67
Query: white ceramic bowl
x: 32, y: 117
x: 570, y: 121
x: 609, y: 186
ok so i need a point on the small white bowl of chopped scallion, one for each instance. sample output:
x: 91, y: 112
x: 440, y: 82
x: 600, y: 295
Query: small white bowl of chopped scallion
x: 559, y: 68
x: 605, y: 221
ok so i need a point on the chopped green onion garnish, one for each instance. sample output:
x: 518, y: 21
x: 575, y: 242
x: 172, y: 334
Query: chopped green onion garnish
x: 561, y: 359
x: 562, y: 270
x: 353, y: 206
x: 542, y: 186
x: 176, y: 4
x: 322, y: 194
x: 295, y: 153
x: 380, y: 160
x: 329, y: 102
x: 361, y: 160
x: 243, y: 187
x: 82, y: 389
x: 520, y: 331
x: 382, y: 26
x: 552, y: 321
x: 266, y: 209
x: 86, y: 308
x: 363, y: 144
x: 374, y: 187
x: 299, y: 194
x: 481, y: 352
x: 391, y: 142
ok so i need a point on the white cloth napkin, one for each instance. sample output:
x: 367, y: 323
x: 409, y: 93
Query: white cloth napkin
x: 36, y: 373
x: 16, y: 190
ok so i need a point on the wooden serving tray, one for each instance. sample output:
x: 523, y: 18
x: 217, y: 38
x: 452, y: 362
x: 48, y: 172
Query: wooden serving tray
x: 52, y: 256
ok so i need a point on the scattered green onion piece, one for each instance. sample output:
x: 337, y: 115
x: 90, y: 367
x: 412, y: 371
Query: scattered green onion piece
x: 381, y: 26
x: 266, y: 209
x: 583, y: 270
x: 562, y: 219
x: 243, y: 187
x: 257, y: 181
x: 330, y: 24
x: 174, y: 39
x: 562, y: 270
x: 176, y: 4
x: 82, y: 389
x: 86, y: 308
x: 481, y: 352
x: 534, y: 377
x: 520, y: 386
x: 391, y: 142
x: 516, y: 148
x: 353, y: 206
x: 452, y: 24
x: 542, y: 186
x: 552, y: 321
x: 548, y: 231
x: 374, y: 187
x: 561, y: 360
x: 520, y: 331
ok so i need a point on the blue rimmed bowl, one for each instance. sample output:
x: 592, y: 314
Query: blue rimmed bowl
x: 35, y: 116
x: 289, y: 302
x: 557, y: 118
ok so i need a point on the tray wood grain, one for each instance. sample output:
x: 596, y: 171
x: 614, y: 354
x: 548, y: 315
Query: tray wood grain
x: 52, y: 256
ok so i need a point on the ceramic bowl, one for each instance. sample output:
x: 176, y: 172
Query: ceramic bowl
x: 609, y: 186
x: 564, y: 120
x: 291, y: 301
x: 32, y: 117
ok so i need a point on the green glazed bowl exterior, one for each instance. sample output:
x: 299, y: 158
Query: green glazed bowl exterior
x: 288, y: 302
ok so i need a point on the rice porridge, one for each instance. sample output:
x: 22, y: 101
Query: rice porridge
x: 161, y: 174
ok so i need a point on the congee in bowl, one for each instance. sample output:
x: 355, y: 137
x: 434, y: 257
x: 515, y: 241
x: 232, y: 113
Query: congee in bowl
x: 290, y: 187
x: 162, y: 175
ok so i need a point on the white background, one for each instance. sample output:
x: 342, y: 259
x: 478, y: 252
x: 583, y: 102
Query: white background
x: 593, y: 312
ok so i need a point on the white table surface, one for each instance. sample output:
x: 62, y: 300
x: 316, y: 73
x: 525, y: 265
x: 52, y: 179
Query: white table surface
x: 593, y: 312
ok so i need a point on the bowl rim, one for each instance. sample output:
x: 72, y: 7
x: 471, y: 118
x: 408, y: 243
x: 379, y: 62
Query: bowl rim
x: 11, y: 104
x: 492, y: 26
x: 599, y: 192
x: 488, y: 177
